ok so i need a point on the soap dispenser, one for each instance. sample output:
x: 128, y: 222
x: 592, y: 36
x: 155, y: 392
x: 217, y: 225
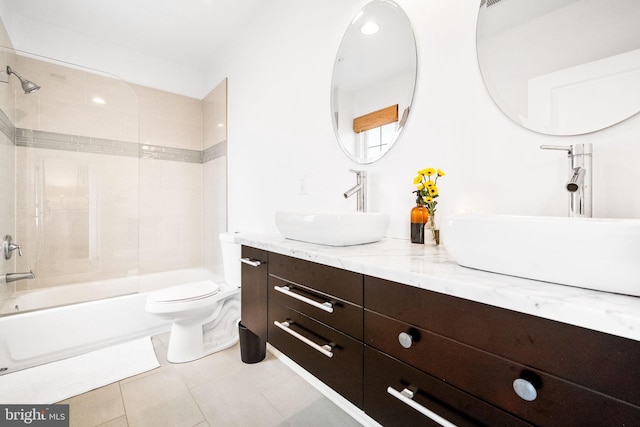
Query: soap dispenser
x: 419, y: 217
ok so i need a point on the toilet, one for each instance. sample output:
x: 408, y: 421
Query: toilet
x: 204, y: 314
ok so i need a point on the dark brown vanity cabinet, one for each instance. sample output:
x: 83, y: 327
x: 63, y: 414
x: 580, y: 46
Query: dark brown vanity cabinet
x: 254, y: 291
x: 315, y: 318
x: 537, y: 370
x: 392, y: 386
x: 409, y: 356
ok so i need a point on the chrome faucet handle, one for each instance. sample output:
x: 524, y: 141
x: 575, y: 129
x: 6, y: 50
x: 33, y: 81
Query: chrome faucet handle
x: 572, y: 150
x: 13, y: 247
x: 8, y: 247
x: 566, y: 148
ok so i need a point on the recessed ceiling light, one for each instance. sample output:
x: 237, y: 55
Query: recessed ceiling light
x: 98, y: 100
x: 369, y: 28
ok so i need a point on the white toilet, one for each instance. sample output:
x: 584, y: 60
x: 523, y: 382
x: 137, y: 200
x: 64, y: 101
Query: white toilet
x: 205, y: 314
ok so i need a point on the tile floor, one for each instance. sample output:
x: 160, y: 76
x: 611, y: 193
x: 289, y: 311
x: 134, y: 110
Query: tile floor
x: 217, y: 391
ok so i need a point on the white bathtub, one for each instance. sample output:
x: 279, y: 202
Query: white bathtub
x: 41, y: 336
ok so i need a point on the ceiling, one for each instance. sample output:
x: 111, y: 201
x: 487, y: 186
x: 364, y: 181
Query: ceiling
x: 182, y: 32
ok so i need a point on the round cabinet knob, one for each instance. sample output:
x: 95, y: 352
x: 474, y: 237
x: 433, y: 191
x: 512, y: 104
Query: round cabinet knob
x: 525, y: 390
x: 405, y: 339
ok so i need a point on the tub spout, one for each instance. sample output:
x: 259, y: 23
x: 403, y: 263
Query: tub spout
x: 12, y: 277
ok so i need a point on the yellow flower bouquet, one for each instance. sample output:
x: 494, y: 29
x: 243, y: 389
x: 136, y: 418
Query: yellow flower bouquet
x: 427, y: 190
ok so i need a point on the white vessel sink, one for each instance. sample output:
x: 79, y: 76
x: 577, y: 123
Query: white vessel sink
x: 593, y: 253
x: 333, y: 228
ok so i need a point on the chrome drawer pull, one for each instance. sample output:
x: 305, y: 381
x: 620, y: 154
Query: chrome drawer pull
x: 325, y: 306
x: 406, y: 397
x: 324, y: 349
x: 250, y: 262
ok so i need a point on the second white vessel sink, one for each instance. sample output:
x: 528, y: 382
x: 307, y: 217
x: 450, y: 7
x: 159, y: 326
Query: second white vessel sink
x: 333, y: 228
x: 593, y: 253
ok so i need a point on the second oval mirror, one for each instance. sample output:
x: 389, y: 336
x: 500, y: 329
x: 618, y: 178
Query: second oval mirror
x: 561, y: 67
x: 374, y: 78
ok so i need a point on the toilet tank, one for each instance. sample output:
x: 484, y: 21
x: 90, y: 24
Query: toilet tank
x: 231, y: 253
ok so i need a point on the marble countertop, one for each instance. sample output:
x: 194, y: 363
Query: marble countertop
x: 430, y: 267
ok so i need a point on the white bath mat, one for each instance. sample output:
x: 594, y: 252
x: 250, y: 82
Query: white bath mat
x: 60, y: 380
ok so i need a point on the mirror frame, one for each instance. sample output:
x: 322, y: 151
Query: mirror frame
x: 344, y: 74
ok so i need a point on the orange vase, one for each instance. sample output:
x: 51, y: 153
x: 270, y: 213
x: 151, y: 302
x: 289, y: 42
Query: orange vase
x: 419, y: 217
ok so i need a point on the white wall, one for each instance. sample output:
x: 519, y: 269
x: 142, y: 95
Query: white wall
x: 72, y: 47
x: 279, y: 73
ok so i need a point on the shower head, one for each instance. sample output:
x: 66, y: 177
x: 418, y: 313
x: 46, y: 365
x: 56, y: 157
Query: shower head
x: 27, y: 85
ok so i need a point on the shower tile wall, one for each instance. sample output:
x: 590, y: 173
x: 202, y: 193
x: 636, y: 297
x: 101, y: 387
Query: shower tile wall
x: 169, y: 120
x: 77, y: 212
x: 64, y: 103
x: 170, y: 191
x: 116, y: 214
x: 76, y: 217
x: 170, y: 215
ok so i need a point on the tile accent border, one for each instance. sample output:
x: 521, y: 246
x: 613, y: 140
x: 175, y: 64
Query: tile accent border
x: 59, y: 141
x: 6, y: 127
x: 215, y: 151
x: 158, y: 152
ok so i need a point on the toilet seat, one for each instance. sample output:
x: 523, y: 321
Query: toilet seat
x: 184, y: 293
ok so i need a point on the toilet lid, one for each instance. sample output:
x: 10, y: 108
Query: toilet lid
x: 188, y: 291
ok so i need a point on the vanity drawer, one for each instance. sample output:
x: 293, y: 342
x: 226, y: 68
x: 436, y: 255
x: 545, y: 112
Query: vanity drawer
x: 343, y: 284
x: 491, y: 378
x: 339, y: 365
x: 337, y: 313
x: 384, y: 375
x: 599, y: 361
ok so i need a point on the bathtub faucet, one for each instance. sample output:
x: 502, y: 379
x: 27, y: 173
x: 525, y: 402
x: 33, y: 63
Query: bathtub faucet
x: 12, y: 277
x: 8, y: 247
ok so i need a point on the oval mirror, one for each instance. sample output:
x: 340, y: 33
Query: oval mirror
x: 561, y: 67
x: 374, y: 78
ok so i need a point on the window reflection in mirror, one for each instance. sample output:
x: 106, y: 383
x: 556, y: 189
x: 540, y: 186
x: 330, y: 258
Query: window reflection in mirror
x: 376, y: 141
x: 561, y: 67
x: 375, y: 68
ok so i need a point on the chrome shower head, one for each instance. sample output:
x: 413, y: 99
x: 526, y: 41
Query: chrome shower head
x: 27, y: 85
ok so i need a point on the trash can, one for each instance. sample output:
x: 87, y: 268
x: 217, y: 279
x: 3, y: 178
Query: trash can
x: 252, y: 348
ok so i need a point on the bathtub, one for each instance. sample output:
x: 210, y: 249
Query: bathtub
x: 35, y: 336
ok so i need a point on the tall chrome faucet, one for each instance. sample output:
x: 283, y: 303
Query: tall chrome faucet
x: 360, y: 188
x: 579, y: 184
